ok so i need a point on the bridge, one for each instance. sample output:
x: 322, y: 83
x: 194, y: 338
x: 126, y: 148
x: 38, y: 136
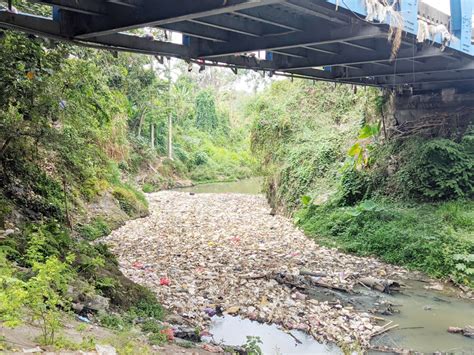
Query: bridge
x: 342, y: 41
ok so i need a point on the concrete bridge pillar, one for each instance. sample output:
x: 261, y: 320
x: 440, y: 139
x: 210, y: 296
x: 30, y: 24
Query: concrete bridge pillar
x: 443, y: 114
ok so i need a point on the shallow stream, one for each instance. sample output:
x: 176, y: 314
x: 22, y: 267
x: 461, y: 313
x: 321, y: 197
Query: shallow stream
x: 424, y: 317
x: 423, y: 320
x: 234, y: 331
x: 251, y: 186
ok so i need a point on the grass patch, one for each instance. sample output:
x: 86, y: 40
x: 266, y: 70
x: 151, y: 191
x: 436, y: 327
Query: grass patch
x: 87, y: 344
x: 148, y: 188
x: 435, y: 238
x: 131, y: 201
x: 96, y: 229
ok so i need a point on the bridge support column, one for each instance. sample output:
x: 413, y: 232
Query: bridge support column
x: 443, y: 114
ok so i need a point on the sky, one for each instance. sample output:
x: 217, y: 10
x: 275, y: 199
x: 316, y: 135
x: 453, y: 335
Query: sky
x: 443, y: 5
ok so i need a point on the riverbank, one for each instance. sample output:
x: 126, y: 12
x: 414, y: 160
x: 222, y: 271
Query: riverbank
x: 205, y: 252
x: 436, y: 238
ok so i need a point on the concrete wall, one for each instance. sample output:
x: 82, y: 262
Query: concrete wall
x: 445, y: 114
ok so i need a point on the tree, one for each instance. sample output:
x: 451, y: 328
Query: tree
x: 206, y: 115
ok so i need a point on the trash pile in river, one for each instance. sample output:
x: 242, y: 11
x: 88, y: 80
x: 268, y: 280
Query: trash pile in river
x: 467, y: 331
x: 209, y: 253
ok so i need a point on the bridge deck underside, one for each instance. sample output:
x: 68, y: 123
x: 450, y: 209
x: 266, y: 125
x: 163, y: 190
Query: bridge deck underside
x: 304, y: 38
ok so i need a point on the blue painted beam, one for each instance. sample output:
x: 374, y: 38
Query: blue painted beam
x: 56, y: 14
x: 456, y: 17
x: 461, y: 25
x: 186, y: 40
x: 356, y: 6
x: 461, y: 19
x: 466, y: 26
x: 408, y: 9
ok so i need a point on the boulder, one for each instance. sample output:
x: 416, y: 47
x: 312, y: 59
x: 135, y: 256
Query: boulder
x: 98, y: 303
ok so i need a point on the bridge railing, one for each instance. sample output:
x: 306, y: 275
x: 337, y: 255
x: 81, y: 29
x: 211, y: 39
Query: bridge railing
x: 416, y: 13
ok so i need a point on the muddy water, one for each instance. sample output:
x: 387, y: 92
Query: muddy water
x: 234, y: 331
x: 251, y: 186
x: 423, y: 318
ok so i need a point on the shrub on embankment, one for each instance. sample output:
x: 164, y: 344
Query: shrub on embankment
x: 407, y: 201
x: 81, y: 131
x: 63, y: 135
x: 301, y: 133
x: 436, y: 238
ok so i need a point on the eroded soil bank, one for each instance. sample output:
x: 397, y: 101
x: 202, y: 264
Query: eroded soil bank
x: 223, y: 250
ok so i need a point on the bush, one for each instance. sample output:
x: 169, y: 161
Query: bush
x: 434, y: 238
x: 301, y: 134
x: 40, y: 241
x: 46, y: 296
x: 12, y: 294
x: 200, y: 158
x: 130, y: 200
x: 437, y: 169
x: 112, y: 321
x: 96, y: 229
x: 148, y: 308
x: 152, y: 326
x: 158, y: 338
x: 425, y: 170
x: 148, y: 188
x: 354, y: 186
x: 42, y: 297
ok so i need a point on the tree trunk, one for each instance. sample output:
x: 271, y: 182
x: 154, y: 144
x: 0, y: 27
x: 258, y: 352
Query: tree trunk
x: 66, y: 206
x: 170, y: 136
x: 152, y: 142
x: 5, y: 145
x: 170, y: 115
x: 140, y: 122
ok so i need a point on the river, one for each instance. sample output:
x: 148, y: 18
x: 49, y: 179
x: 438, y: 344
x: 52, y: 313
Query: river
x: 423, y: 318
x: 248, y: 186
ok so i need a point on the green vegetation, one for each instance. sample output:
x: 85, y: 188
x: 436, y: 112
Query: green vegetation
x: 252, y: 345
x: 62, y: 343
x: 97, y: 228
x: 150, y: 315
x: 301, y: 133
x: 48, y: 264
x: 435, y: 238
x: 82, y: 133
x: 41, y: 297
x: 408, y: 202
x: 131, y: 201
x: 75, y: 123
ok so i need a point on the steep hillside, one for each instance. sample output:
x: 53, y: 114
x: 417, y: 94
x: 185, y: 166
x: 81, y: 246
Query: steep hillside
x: 82, y: 134
x: 329, y: 163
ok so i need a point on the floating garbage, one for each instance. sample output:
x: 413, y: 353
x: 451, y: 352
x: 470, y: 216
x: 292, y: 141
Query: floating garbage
x: 164, y: 281
x: 82, y: 319
x: 221, y: 253
x: 233, y: 331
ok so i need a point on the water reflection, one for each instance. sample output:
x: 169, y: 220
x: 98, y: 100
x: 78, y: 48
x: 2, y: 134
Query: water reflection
x: 252, y: 186
x: 424, y: 319
x: 234, y: 331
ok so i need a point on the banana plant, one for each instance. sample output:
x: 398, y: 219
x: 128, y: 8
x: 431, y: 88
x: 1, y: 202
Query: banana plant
x: 360, y: 151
